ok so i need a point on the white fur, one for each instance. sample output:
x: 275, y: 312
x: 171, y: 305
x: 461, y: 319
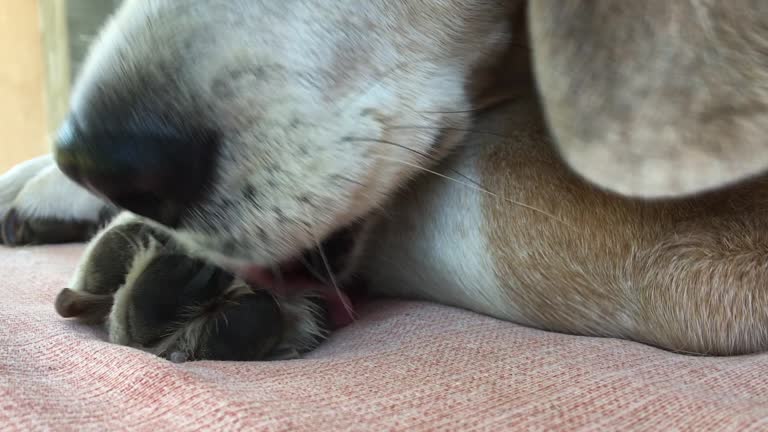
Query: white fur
x: 284, y: 104
x: 38, y: 189
x: 301, y: 111
x: 13, y: 181
x: 51, y: 194
x: 431, y: 245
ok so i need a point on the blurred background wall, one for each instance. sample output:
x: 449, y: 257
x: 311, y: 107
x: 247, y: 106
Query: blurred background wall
x: 42, y: 45
x: 84, y: 19
x: 23, y: 116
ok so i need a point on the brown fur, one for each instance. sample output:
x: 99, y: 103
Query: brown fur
x: 688, y: 275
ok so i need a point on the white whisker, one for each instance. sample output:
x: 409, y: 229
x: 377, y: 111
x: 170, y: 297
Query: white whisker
x: 449, y: 129
x: 312, y: 270
x: 344, y: 302
x: 226, y: 320
x: 477, y: 188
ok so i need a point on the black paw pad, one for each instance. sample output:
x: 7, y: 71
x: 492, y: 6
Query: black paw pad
x: 250, y: 328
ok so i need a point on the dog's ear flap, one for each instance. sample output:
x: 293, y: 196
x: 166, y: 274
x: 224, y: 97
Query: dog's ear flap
x: 655, y: 98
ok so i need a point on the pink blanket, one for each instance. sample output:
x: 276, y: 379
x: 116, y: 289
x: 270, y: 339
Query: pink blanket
x: 402, y: 366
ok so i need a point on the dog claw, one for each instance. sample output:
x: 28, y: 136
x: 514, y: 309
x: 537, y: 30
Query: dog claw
x: 178, y: 357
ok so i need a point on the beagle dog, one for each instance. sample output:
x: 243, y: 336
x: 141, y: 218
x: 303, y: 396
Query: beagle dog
x: 589, y: 167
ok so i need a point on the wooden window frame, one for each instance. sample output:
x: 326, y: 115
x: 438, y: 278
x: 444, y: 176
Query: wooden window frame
x: 53, y: 17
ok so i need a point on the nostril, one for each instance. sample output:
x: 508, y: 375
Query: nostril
x: 153, y: 207
x: 153, y: 173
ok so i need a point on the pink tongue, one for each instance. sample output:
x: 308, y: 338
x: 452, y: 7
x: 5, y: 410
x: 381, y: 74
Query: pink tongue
x: 339, y: 305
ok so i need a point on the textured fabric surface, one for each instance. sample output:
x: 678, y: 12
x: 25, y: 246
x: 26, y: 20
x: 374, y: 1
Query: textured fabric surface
x: 402, y: 366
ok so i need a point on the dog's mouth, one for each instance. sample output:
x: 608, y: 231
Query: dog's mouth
x: 325, y: 269
x: 330, y: 264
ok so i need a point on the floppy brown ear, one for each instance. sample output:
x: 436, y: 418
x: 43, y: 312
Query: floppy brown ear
x: 655, y: 98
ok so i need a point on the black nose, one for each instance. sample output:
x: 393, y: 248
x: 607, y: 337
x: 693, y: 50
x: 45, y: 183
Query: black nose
x: 154, y: 173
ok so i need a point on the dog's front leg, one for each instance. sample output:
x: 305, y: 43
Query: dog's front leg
x: 40, y: 205
x: 154, y: 295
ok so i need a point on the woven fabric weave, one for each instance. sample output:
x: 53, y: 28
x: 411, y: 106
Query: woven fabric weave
x: 402, y: 366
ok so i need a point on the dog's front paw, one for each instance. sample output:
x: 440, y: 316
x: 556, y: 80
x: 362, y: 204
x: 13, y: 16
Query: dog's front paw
x: 153, y: 295
x: 183, y: 308
x: 40, y: 205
